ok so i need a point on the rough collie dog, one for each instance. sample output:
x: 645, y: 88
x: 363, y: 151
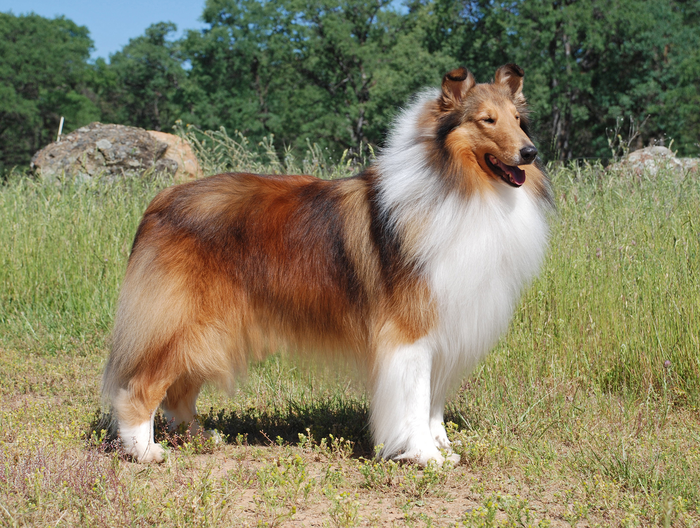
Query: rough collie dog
x: 412, y: 268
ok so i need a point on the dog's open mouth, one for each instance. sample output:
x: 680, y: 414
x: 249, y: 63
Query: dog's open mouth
x: 514, y: 176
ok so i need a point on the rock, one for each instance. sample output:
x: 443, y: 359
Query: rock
x: 690, y: 164
x: 650, y: 159
x: 113, y: 151
x: 181, y: 153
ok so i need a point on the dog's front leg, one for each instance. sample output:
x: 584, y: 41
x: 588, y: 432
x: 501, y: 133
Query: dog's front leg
x: 443, y: 376
x: 401, y: 404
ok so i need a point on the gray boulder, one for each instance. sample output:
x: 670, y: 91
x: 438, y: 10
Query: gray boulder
x: 650, y: 159
x: 98, y: 150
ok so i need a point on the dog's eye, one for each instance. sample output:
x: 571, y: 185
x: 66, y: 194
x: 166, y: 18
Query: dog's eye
x: 517, y: 117
x: 489, y: 120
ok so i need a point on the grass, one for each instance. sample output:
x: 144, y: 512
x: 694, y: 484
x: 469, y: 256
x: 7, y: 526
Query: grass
x: 586, y: 414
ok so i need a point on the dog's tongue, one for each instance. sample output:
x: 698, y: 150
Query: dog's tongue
x: 516, y: 174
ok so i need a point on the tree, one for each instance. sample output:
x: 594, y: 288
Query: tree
x: 242, y: 69
x: 145, y: 83
x: 677, y: 111
x: 587, y: 63
x: 681, y: 105
x: 43, y: 75
x: 366, y: 59
x: 332, y: 71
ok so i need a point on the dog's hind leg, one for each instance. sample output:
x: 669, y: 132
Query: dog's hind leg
x: 179, y: 405
x: 135, y: 406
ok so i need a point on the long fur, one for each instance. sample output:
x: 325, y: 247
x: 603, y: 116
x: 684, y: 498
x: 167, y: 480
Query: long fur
x: 413, y: 268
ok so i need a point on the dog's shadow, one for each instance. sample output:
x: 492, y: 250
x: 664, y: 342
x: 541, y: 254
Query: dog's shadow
x: 346, y: 420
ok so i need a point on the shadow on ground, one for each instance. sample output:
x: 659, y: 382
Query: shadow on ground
x: 346, y: 419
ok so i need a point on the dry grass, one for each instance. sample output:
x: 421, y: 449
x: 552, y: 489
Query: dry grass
x: 574, y: 459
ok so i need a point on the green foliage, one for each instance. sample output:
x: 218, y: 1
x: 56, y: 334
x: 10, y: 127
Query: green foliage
x: 366, y: 59
x: 334, y: 71
x: 625, y: 252
x: 283, y: 484
x: 218, y: 152
x: 337, y: 71
x: 681, y: 99
x: 145, y: 84
x: 344, y: 508
x: 243, y: 69
x: 413, y: 483
x: 43, y: 75
x: 517, y: 513
x: 50, y: 264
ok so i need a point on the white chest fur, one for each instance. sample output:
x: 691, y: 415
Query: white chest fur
x: 479, y: 256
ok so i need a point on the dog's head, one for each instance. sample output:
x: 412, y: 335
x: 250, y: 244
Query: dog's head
x: 485, y: 125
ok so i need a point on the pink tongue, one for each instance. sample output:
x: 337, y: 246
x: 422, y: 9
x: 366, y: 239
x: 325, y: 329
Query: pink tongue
x: 517, y: 175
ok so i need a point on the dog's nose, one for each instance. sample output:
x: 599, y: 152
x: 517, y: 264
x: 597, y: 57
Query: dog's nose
x: 528, y: 153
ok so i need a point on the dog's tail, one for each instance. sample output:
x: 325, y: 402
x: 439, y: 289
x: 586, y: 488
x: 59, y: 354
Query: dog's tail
x: 151, y: 331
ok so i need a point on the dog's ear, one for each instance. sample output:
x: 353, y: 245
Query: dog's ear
x: 455, y: 85
x: 511, y: 76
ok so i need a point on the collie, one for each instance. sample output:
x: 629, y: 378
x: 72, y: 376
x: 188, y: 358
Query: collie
x: 412, y: 268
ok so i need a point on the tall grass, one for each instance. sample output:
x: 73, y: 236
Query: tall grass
x: 616, y: 307
x: 64, y: 250
x: 218, y: 152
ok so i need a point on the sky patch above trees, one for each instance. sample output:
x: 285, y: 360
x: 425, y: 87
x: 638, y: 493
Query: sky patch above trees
x: 112, y: 25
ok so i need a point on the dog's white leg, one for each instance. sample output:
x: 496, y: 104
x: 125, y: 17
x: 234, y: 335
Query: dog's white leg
x: 400, y: 411
x: 442, y: 376
x: 137, y: 441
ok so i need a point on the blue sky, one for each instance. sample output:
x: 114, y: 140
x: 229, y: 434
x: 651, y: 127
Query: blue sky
x: 112, y: 24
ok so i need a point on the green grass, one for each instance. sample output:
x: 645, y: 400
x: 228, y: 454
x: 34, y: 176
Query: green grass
x: 585, y: 414
x: 65, y: 247
x: 618, y: 296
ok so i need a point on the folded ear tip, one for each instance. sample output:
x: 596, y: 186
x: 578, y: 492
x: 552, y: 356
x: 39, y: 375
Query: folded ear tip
x: 458, y: 74
x: 514, y: 68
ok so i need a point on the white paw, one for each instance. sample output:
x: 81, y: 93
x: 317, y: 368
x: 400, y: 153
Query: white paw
x: 144, y: 453
x: 422, y: 456
x: 213, y: 435
x: 137, y: 442
x: 425, y: 456
x: 453, y: 458
x: 154, y: 453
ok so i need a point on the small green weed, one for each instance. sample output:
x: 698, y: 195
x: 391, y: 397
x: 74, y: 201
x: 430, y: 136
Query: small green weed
x: 344, y: 509
x: 283, y: 484
x: 502, y: 511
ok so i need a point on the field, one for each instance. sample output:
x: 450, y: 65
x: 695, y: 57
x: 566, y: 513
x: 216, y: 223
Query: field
x: 586, y: 413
